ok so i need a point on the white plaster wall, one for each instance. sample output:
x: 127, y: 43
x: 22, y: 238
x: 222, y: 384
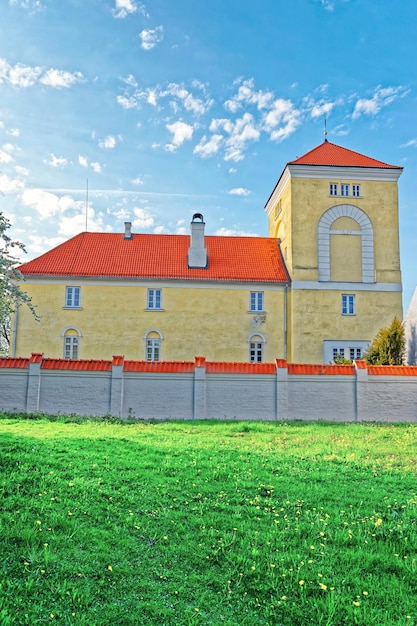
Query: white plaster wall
x: 158, y: 396
x: 13, y: 389
x: 242, y: 396
x: 82, y: 393
x: 322, y: 398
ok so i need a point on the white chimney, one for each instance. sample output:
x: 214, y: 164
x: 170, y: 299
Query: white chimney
x: 197, y: 253
x: 128, y: 231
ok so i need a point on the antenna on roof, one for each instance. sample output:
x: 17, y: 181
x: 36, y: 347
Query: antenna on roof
x: 86, y: 206
x: 325, y: 128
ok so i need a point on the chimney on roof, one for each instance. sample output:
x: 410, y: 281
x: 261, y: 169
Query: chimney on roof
x: 128, y: 231
x: 197, y: 253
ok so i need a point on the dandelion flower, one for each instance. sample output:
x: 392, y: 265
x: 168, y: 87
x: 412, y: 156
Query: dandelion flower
x: 109, y: 567
x: 356, y: 603
x: 324, y: 587
x: 378, y: 522
x: 301, y: 582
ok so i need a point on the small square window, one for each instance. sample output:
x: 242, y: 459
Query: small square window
x: 154, y: 298
x: 356, y: 191
x: 348, y: 304
x: 344, y: 190
x: 333, y: 189
x: 256, y: 301
x: 72, y: 297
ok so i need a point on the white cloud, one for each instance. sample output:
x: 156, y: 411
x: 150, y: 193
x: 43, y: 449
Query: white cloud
x: 239, y: 191
x: 13, y: 132
x: 24, y: 76
x: 410, y: 144
x: 150, y: 38
x: 198, y: 106
x: 5, y: 157
x: 48, y: 204
x: 33, y: 5
x: 74, y: 224
x: 248, y: 95
x: 108, y: 142
x: 137, y: 181
x: 55, y: 161
x: 284, y: 115
x: 320, y: 109
x: 10, y: 185
x: 180, y: 132
x: 382, y: 97
x: 95, y: 166
x: 60, y: 79
x: 177, y: 95
x: 208, y: 147
x: 127, y: 102
x: 142, y: 219
x: 230, y: 232
x: 123, y: 8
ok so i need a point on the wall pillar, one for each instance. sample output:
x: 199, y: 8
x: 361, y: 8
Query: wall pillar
x: 361, y: 391
x: 282, y: 389
x: 116, y: 391
x: 200, y: 407
x: 34, y: 383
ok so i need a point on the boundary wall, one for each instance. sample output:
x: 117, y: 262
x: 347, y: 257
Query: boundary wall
x: 209, y: 390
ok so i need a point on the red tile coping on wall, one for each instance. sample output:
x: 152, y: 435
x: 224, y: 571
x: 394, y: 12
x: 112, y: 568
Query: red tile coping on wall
x: 392, y: 370
x: 321, y: 370
x: 166, y: 367
x: 89, y: 365
x: 211, y: 367
x: 13, y: 362
x: 240, y: 368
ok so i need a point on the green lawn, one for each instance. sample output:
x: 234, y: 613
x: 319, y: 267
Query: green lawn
x: 209, y: 523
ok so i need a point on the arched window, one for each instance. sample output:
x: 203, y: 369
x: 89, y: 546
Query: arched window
x: 256, y: 348
x: 71, y: 337
x: 345, y: 245
x: 153, y: 340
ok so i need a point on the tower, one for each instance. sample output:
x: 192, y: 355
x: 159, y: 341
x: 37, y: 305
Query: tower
x: 335, y: 212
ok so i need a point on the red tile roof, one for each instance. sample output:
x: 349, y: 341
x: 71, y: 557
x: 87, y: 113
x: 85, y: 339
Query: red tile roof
x: 151, y: 256
x: 329, y: 153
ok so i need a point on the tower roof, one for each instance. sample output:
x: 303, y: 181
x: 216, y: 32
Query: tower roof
x: 330, y: 154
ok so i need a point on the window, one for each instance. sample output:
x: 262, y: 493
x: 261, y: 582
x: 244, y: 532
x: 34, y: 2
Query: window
x: 348, y: 304
x: 153, y: 348
x: 278, y: 209
x: 72, y: 297
x: 71, y: 348
x: 344, y: 190
x: 154, y: 298
x: 333, y: 189
x: 338, y: 352
x: 355, y: 353
x: 256, y: 348
x: 256, y: 301
x: 71, y: 338
x: 356, y: 190
x: 153, y: 340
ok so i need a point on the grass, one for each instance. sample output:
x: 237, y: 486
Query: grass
x: 185, y: 523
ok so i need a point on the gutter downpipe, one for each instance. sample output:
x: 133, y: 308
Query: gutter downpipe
x: 285, y: 319
x: 16, y: 315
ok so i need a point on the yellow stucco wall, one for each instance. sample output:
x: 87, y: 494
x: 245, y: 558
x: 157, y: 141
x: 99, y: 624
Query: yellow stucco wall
x: 214, y: 322
x: 304, y: 200
x: 316, y: 316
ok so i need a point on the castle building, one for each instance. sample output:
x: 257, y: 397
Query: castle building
x: 323, y: 282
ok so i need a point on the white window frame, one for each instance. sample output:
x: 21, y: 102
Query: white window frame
x: 72, y: 297
x: 344, y: 189
x: 71, y: 342
x: 256, y: 348
x: 256, y: 302
x: 342, y: 347
x: 154, y: 299
x: 333, y: 189
x: 153, y: 349
x: 153, y: 345
x: 348, y: 304
x: 356, y: 191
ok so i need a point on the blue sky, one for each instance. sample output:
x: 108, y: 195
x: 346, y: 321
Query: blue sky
x: 180, y: 106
